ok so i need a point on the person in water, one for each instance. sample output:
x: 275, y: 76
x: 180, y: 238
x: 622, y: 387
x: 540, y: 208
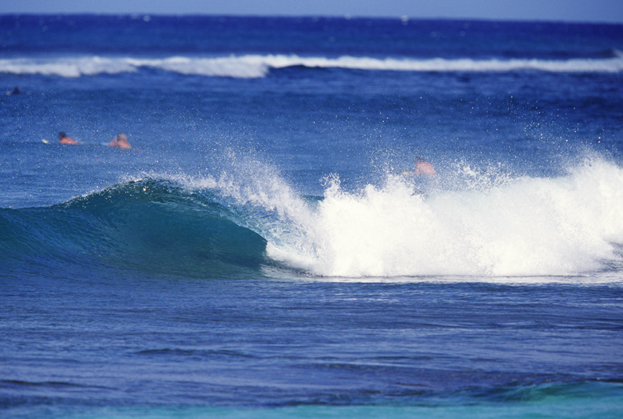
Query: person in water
x: 120, y: 141
x: 424, y: 168
x: 64, y: 139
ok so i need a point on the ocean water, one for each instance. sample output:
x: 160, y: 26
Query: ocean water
x: 262, y: 251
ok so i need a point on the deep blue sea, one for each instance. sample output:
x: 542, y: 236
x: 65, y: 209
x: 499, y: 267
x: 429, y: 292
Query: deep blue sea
x: 265, y: 250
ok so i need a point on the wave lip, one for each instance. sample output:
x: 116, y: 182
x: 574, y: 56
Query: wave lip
x: 258, y: 66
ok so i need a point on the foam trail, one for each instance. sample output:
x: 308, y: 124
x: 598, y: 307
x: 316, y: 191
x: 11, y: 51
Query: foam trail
x: 525, y: 227
x: 257, y: 66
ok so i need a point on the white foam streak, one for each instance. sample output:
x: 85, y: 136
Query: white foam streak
x: 447, y: 65
x: 66, y: 67
x: 257, y: 66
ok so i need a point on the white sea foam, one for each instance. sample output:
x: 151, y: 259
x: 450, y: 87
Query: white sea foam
x: 524, y: 226
x: 257, y: 66
x: 66, y: 67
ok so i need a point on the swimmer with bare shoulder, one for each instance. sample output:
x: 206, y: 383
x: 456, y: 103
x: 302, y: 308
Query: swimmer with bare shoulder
x: 422, y: 167
x: 120, y: 141
x: 64, y: 139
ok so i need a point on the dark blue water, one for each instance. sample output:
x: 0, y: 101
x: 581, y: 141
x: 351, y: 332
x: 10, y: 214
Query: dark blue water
x: 263, y: 250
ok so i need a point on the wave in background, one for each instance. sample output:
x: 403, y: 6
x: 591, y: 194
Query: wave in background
x: 467, y: 224
x: 257, y: 66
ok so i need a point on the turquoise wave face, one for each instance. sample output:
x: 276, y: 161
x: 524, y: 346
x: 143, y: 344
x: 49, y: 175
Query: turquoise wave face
x: 149, y: 225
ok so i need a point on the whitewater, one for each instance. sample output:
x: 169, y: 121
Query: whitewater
x: 256, y: 66
x: 462, y: 223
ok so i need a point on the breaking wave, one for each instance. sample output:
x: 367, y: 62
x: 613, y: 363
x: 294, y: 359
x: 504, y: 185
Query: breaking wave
x: 258, y: 66
x: 521, y: 226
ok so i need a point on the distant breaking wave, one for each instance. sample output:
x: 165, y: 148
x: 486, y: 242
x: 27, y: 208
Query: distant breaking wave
x: 258, y: 66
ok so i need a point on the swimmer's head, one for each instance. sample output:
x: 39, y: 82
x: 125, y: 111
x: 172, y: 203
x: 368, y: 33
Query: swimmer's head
x: 62, y: 135
x: 419, y: 159
x: 122, y: 137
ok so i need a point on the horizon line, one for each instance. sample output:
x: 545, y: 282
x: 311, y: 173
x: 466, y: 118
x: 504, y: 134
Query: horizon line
x: 404, y: 18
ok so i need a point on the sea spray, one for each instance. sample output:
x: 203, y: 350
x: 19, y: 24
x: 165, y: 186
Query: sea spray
x: 470, y: 221
x: 258, y: 198
x: 524, y: 226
